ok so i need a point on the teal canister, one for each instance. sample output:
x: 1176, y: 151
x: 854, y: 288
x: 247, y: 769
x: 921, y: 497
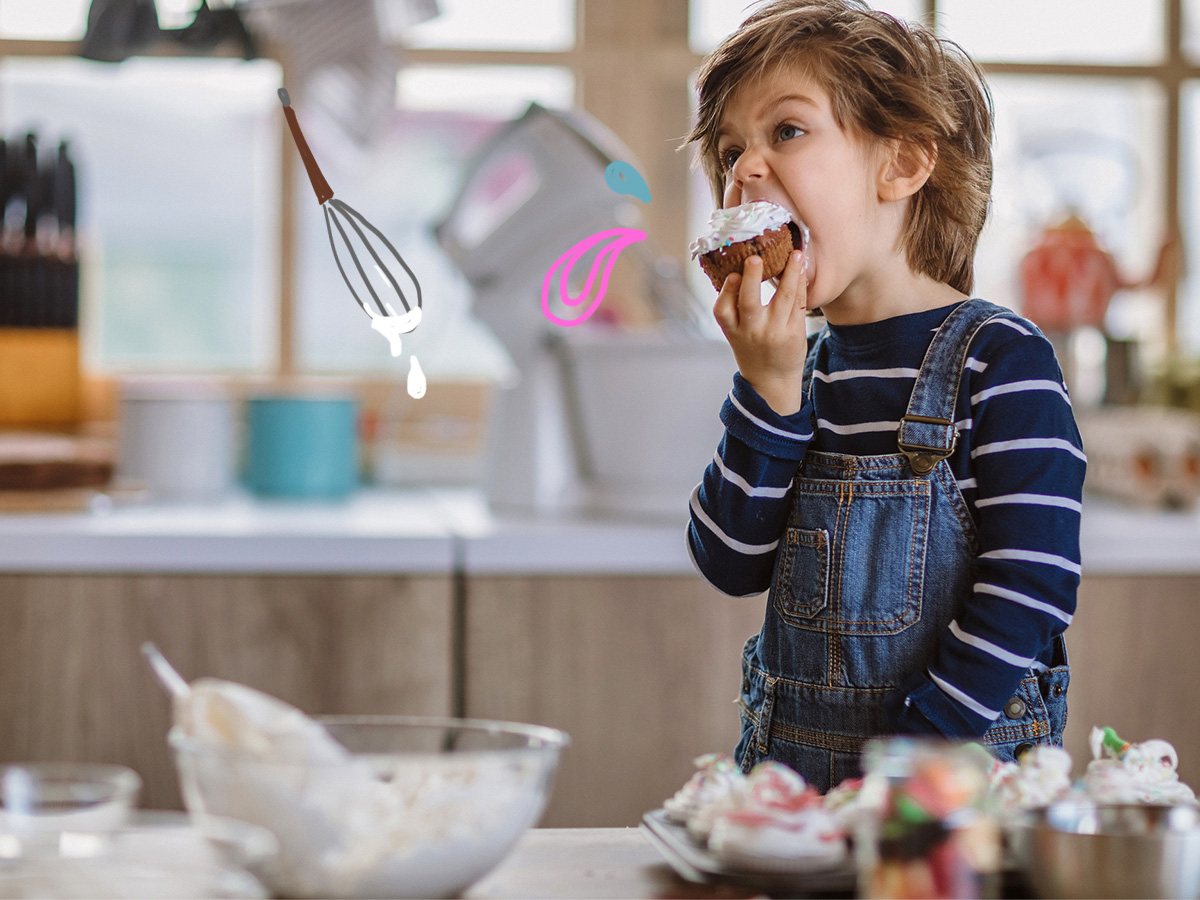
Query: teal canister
x: 302, y: 446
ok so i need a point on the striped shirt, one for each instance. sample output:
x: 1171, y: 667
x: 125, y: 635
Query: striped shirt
x: 1019, y: 464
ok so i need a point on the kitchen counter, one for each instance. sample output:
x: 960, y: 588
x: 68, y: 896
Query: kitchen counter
x: 439, y: 531
x: 572, y: 863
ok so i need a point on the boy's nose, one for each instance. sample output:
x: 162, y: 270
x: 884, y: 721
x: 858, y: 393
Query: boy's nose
x: 750, y: 165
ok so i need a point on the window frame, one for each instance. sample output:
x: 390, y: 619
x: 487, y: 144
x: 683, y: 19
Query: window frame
x: 632, y: 65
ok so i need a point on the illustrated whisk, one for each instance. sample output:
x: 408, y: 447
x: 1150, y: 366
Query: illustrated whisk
x: 349, y: 224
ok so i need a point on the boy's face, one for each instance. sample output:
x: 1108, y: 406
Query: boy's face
x: 779, y: 141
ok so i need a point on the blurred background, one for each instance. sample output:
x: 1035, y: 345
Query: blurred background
x: 167, y: 290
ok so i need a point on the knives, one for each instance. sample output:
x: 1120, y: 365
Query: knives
x: 29, y: 266
x: 66, y: 262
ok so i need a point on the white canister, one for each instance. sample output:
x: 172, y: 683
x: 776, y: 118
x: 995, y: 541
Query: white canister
x: 178, y: 438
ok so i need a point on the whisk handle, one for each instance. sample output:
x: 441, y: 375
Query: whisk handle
x: 320, y: 185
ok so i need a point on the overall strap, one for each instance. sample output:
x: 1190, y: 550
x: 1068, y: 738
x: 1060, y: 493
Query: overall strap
x: 927, y: 433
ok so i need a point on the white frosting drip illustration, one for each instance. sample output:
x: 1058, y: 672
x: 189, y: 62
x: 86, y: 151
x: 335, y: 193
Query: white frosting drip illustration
x: 392, y: 325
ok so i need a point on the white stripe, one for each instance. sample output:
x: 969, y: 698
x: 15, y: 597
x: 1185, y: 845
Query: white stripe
x: 790, y: 435
x: 845, y: 374
x: 857, y: 429
x: 988, y: 647
x: 967, y: 484
x: 1017, y: 387
x: 1004, y: 593
x: 1048, y: 559
x: 750, y: 490
x: 1033, y: 500
x: 1028, y: 444
x: 687, y: 539
x: 964, y: 424
x: 1011, y: 324
x: 977, y: 365
x: 965, y: 699
x: 747, y: 549
x: 1039, y: 666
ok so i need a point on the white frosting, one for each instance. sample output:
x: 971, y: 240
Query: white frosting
x: 717, y: 775
x: 741, y: 223
x: 807, y: 837
x: 1042, y: 776
x: 1139, y: 773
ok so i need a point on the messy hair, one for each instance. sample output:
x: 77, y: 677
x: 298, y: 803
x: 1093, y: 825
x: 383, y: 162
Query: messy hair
x: 887, y: 79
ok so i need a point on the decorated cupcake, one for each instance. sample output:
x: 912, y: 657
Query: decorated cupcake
x: 735, y: 234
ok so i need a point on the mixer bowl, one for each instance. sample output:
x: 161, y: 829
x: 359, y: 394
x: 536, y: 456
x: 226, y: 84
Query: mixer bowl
x: 1121, y: 850
x: 422, y: 807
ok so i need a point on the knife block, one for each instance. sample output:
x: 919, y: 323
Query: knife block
x: 39, y: 377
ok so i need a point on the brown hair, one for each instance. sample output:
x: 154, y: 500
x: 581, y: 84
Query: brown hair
x: 886, y: 78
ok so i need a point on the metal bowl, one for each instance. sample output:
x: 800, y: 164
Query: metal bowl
x: 421, y: 807
x: 1081, y: 849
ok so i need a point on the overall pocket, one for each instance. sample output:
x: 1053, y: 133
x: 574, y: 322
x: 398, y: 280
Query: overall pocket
x: 864, y: 574
x: 801, y: 585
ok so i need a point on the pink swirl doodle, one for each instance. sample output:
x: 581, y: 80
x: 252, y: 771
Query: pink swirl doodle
x: 622, y: 238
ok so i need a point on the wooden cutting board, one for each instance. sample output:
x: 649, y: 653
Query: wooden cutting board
x: 32, y: 461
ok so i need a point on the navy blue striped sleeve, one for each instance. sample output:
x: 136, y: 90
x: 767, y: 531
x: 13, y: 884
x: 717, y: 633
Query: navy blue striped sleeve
x: 740, y: 508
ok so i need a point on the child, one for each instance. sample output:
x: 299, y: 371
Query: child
x: 908, y: 487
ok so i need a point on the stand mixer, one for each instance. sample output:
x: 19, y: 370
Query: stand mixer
x: 536, y: 188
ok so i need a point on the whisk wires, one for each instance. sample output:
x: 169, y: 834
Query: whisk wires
x: 350, y: 214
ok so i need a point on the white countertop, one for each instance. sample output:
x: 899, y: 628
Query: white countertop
x: 439, y: 531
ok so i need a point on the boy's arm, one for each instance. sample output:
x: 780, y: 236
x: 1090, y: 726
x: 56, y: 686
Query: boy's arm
x: 1028, y: 465
x: 741, y: 507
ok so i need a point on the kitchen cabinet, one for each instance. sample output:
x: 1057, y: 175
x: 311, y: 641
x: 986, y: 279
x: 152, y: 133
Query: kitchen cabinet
x: 642, y: 672
x: 1135, y: 664
x: 425, y: 604
x: 74, y: 686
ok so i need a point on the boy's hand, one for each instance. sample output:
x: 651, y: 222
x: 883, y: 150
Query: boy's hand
x: 769, y: 342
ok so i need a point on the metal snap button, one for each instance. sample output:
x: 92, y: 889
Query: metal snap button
x: 1021, y: 750
x: 1057, y: 690
x: 1014, y: 708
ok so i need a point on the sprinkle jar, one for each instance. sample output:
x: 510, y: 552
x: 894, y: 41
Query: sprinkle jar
x: 924, y: 830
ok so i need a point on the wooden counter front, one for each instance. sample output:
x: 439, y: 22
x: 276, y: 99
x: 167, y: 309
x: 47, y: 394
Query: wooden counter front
x: 74, y: 686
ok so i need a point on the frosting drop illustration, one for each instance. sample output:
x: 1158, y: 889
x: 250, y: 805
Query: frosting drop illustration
x: 416, y: 379
x: 597, y: 277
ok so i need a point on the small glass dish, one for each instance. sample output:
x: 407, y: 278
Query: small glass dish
x: 165, y: 855
x: 48, y: 798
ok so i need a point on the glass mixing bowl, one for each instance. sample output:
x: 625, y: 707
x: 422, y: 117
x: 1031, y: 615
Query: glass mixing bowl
x: 420, y: 807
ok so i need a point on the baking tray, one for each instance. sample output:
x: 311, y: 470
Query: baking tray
x: 694, y: 863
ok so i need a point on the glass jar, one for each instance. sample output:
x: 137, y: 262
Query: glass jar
x: 924, y: 829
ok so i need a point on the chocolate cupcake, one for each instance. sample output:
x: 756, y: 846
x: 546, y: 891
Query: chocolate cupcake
x: 734, y: 235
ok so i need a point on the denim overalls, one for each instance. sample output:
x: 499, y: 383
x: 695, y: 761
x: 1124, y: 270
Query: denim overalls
x: 876, y: 559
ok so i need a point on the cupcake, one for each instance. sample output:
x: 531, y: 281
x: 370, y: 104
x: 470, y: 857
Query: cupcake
x: 734, y: 235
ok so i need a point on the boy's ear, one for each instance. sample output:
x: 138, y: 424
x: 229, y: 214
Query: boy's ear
x: 906, y: 167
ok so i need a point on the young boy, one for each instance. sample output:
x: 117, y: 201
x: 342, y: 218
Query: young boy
x: 908, y: 486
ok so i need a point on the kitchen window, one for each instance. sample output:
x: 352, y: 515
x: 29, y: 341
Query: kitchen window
x: 1090, y: 116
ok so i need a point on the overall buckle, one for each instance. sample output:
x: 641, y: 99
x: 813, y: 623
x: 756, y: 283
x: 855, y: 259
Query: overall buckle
x: 921, y: 458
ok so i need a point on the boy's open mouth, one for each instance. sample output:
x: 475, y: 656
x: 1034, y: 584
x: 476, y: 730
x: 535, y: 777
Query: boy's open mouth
x: 797, y: 235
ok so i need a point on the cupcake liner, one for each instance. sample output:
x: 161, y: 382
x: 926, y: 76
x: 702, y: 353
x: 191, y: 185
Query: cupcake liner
x: 773, y: 246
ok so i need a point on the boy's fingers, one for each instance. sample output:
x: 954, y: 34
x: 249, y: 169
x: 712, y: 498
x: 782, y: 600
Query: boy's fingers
x: 792, y: 294
x: 725, y: 309
x: 750, y: 308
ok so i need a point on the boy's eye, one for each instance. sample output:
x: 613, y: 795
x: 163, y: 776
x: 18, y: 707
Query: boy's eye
x: 787, y: 132
x: 728, y: 158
